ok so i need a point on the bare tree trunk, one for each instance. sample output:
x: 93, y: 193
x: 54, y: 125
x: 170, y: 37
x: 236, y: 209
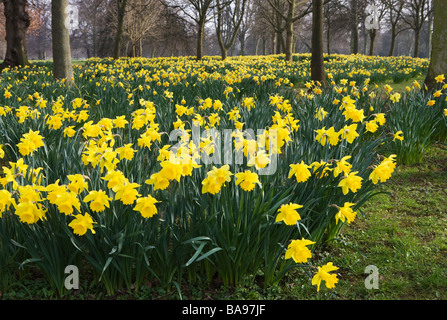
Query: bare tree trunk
x: 242, y: 42
x: 140, y: 48
x: 17, y: 23
x: 430, y: 33
x: 223, y: 53
x: 274, y: 43
x: 411, y: 44
x: 279, y: 41
x: 119, y: 32
x: 289, y: 31
x: 237, y: 20
x: 393, y: 41
x: 282, y: 47
x: 62, y: 64
x: 372, y: 35
x: 354, y: 27
x: 257, y: 46
x: 200, y: 39
x: 317, y: 61
x: 394, y: 11
x: 417, y: 33
x: 134, y: 50
x: 438, y: 60
x: 365, y: 34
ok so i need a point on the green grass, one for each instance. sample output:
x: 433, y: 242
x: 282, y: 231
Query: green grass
x: 401, y: 86
x: 397, y: 87
x: 402, y: 233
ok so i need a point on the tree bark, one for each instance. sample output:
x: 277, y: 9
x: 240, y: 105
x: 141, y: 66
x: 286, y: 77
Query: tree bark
x: 119, y: 32
x: 430, y: 32
x: 372, y: 37
x: 62, y: 64
x: 17, y: 23
x: 393, y: 41
x: 328, y: 38
x: 438, y: 60
x: 354, y: 27
x: 394, y: 12
x: 200, y: 39
x: 224, y: 47
x: 317, y: 61
x: 279, y: 42
x: 417, y: 33
x: 242, y: 42
x: 289, y: 31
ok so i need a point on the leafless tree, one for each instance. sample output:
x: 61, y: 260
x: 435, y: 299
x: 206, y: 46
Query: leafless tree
x: 378, y: 12
x: 17, y: 24
x: 39, y: 33
x: 92, y: 18
x: 246, y: 26
x: 228, y: 21
x: 62, y: 61
x: 121, y: 11
x: 272, y: 17
x: 330, y: 11
x: 296, y: 9
x: 201, y: 12
x: 177, y: 35
x: 394, y: 13
x: 317, y: 61
x: 438, y: 60
x: 415, y: 14
x: 141, y: 20
x: 261, y: 29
